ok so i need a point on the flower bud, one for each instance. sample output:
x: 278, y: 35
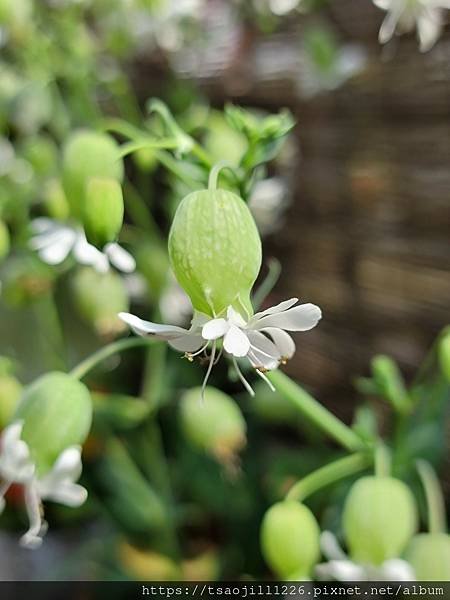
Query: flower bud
x: 103, y: 210
x: 379, y: 519
x: 55, y: 200
x: 215, y: 425
x: 290, y: 539
x: 4, y: 241
x: 429, y: 556
x: 56, y: 411
x: 215, y: 251
x: 99, y: 297
x: 88, y: 154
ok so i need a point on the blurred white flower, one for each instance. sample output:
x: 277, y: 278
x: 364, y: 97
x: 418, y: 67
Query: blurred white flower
x: 339, y: 567
x: 54, y: 241
x: 405, y: 15
x: 267, y: 202
x: 58, y: 484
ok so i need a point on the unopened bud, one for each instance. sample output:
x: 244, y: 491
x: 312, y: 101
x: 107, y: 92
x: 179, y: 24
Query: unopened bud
x: 56, y: 411
x: 215, y: 251
x: 216, y: 424
x: 379, y: 519
x: 290, y: 539
x: 88, y: 154
x: 103, y: 210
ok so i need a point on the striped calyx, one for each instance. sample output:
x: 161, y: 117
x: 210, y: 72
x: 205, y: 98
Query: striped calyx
x: 215, y: 251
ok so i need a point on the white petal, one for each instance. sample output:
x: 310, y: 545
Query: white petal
x: 141, y: 327
x: 390, y: 23
x: 68, y: 464
x: 53, y: 248
x: 198, y: 320
x: 383, y: 4
x: 299, y: 318
x: 263, y: 354
x: 187, y: 343
x: 282, y: 340
x: 59, y: 483
x: 67, y: 493
x: 429, y: 25
x: 120, y: 258
x: 235, y: 318
x: 43, y: 225
x: 396, y: 569
x: 330, y: 547
x: 236, y: 342
x: 215, y: 328
x: 87, y: 254
x: 15, y: 462
x: 341, y: 570
x: 274, y: 309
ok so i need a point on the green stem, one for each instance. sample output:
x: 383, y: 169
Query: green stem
x: 86, y: 365
x: 435, y: 500
x: 215, y: 172
x: 315, y: 412
x: 339, y: 469
x: 173, y: 165
x: 268, y: 284
x: 382, y: 461
x: 146, y: 144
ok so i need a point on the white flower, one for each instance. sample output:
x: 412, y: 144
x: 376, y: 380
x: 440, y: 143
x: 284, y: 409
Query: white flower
x: 58, y: 484
x: 341, y: 568
x: 54, y: 241
x: 404, y: 15
x: 266, y: 203
x: 262, y: 339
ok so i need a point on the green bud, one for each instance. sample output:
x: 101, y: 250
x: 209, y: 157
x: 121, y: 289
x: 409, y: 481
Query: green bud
x: 4, y: 241
x: 88, y: 154
x: 56, y: 410
x: 444, y: 353
x: 215, y: 425
x: 55, y: 200
x: 10, y: 392
x: 379, y: 519
x: 215, y: 251
x: 103, y: 210
x: 429, y: 556
x: 99, y: 297
x: 290, y: 539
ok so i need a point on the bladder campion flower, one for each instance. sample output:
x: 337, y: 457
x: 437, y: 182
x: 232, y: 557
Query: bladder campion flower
x: 215, y: 253
x: 41, y: 448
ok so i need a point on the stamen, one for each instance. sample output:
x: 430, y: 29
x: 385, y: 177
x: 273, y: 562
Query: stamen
x: 269, y: 383
x: 208, y: 372
x: 264, y: 353
x: 190, y: 355
x: 32, y: 538
x: 246, y: 384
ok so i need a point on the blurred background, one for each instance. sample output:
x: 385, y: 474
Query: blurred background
x: 354, y: 208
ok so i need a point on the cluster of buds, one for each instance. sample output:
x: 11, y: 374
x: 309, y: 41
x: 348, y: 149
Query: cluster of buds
x: 92, y: 173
